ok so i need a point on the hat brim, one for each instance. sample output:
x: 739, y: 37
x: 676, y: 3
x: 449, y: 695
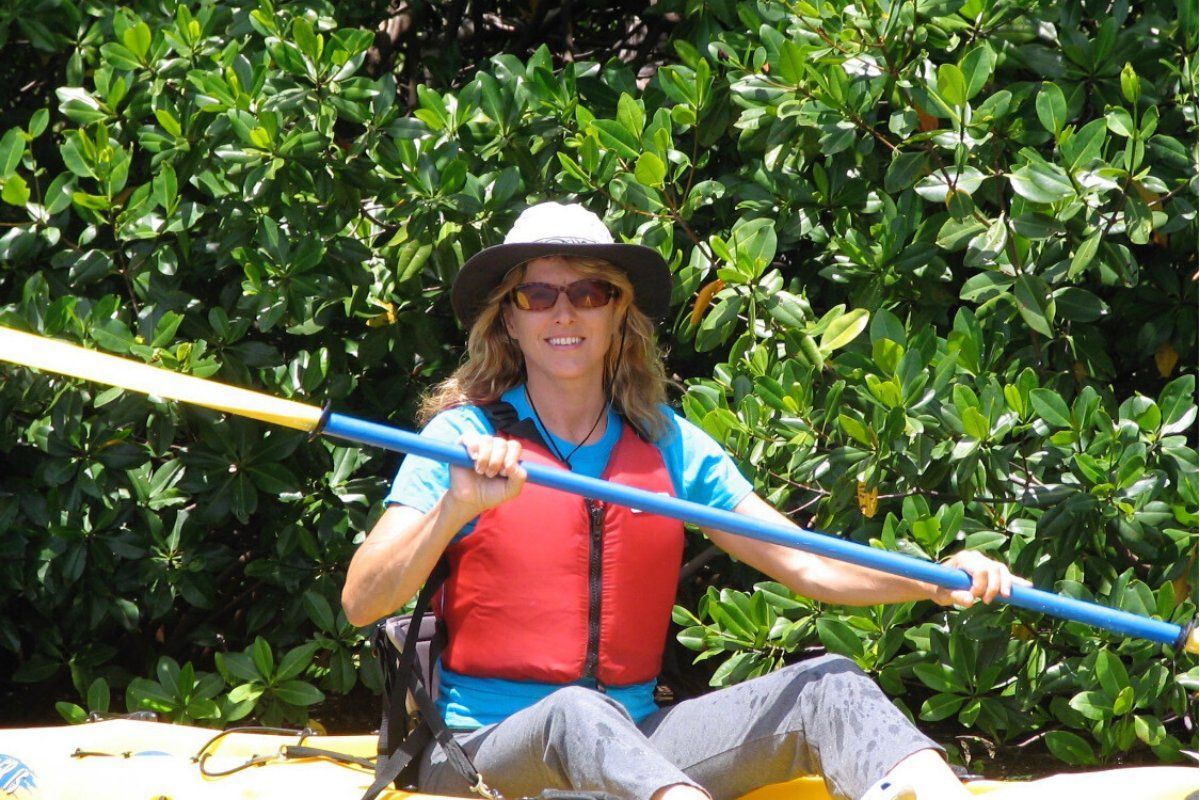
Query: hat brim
x: 483, y: 272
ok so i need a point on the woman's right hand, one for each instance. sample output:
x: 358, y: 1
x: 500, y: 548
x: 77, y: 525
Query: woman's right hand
x: 497, y: 475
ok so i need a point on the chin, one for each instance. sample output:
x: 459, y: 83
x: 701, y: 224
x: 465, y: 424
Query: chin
x: 569, y: 372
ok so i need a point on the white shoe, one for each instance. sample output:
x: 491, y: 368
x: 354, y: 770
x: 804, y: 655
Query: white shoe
x: 888, y: 789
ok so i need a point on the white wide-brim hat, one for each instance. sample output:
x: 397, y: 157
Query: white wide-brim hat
x: 557, y: 229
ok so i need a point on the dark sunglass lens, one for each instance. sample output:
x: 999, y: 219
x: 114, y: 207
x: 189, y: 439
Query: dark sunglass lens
x: 590, y: 293
x: 535, y: 297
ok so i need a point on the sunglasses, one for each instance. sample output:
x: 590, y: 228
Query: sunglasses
x: 586, y: 293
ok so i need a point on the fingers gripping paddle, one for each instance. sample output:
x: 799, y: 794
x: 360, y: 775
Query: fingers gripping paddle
x: 67, y: 359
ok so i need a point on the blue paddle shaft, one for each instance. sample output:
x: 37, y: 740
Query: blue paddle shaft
x: 385, y: 436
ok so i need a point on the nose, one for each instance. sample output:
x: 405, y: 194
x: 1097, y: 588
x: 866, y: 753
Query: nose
x: 562, y: 307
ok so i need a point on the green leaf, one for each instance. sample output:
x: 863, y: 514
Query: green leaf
x: 119, y: 56
x: 754, y: 244
x: 985, y: 249
x: 74, y: 156
x: 73, y: 714
x: 1093, y: 705
x: 855, y: 429
x: 977, y: 66
x: 844, y: 329
x: 1111, y: 673
x: 1042, y: 183
x: 1139, y: 221
x: 940, y: 677
x: 729, y: 615
x: 1149, y: 729
x: 886, y: 325
x: 887, y: 354
x: 296, y: 661
x: 166, y: 188
x: 260, y: 654
x: 1035, y: 304
x: 168, y: 121
x: 985, y: 286
x: 138, y: 39
x: 37, y: 124
x: 1120, y: 123
x: 614, y: 136
x: 1050, y: 407
x: 306, y: 38
x: 319, y: 610
x: 719, y: 323
x: 838, y: 637
x: 98, y: 695
x: 951, y: 84
x: 631, y: 116
x: 1092, y: 469
x: 1078, y: 305
x: 1082, y: 148
x: 1051, y: 108
x: 16, y: 191
x: 1084, y: 256
x: 1123, y: 703
x: 941, y: 706
x: 793, y: 62
x: 1071, y: 748
x: 1176, y: 402
x: 937, y: 185
x: 786, y: 309
x: 904, y: 170
x: 12, y: 148
x: 246, y: 693
x: 975, y: 424
x: 236, y: 666
x: 650, y: 170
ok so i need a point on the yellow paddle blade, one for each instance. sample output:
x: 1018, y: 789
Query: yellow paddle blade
x: 51, y: 355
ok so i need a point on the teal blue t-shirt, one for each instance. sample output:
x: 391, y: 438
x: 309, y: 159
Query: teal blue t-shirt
x: 700, y: 470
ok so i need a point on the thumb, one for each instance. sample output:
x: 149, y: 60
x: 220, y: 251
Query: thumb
x: 963, y: 599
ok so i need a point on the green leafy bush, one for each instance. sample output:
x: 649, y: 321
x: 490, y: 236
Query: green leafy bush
x: 935, y: 288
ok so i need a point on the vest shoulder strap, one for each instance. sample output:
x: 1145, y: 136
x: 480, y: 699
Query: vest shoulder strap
x: 503, y: 418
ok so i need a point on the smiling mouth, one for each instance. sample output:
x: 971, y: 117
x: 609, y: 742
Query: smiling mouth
x: 565, y: 341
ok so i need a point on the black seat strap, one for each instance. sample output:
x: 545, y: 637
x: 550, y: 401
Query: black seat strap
x: 399, y: 748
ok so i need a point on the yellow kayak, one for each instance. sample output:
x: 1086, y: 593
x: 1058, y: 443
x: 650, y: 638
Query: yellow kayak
x: 134, y: 760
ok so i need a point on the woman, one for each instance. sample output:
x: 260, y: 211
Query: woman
x: 557, y: 608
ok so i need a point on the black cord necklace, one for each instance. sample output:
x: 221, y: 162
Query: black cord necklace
x: 550, y: 437
x: 609, y: 380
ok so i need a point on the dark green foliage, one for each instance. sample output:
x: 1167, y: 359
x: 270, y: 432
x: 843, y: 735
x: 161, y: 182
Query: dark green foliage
x: 956, y: 253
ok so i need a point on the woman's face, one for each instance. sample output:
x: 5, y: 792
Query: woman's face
x: 563, y: 342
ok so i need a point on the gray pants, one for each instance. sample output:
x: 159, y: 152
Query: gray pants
x: 823, y: 716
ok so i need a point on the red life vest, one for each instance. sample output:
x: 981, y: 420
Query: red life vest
x: 551, y: 587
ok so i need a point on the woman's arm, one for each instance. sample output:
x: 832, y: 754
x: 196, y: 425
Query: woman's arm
x: 834, y: 581
x: 396, y: 557
x: 404, y: 545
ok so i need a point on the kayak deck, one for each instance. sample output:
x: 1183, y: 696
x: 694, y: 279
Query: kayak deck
x: 133, y: 760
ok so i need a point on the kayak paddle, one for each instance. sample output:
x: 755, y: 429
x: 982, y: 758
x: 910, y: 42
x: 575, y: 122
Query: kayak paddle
x: 56, y: 356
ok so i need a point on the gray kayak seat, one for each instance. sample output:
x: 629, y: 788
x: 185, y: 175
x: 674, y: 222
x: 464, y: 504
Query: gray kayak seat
x: 431, y: 638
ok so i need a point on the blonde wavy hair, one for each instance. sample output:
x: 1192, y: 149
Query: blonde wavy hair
x: 494, y: 363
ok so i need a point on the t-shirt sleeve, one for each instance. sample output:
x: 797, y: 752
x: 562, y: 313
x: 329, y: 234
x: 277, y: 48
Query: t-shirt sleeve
x: 421, y: 482
x: 700, y: 468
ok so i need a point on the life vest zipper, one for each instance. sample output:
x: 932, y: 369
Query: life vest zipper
x: 595, y: 574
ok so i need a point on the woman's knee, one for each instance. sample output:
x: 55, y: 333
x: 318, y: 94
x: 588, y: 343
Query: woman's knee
x: 831, y: 678
x: 832, y: 664
x: 824, y: 670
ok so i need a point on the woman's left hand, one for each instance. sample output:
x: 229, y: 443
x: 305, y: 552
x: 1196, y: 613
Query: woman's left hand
x: 989, y: 579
